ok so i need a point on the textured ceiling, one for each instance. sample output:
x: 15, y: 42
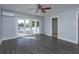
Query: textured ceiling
x: 27, y: 8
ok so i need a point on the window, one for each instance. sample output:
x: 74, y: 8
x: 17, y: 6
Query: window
x: 37, y: 24
x: 33, y: 23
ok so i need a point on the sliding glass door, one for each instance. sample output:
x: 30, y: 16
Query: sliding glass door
x: 28, y: 27
x: 38, y: 26
x: 21, y: 28
x: 35, y: 26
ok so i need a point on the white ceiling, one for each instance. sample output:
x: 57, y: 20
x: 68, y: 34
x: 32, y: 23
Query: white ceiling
x: 26, y: 8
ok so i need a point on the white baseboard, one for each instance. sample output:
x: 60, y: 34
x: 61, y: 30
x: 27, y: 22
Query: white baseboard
x: 9, y: 38
x: 68, y: 40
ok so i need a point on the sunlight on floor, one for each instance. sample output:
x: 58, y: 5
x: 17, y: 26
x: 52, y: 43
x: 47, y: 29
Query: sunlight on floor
x: 30, y: 37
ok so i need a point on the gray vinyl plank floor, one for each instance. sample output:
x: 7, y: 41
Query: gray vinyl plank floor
x: 37, y: 44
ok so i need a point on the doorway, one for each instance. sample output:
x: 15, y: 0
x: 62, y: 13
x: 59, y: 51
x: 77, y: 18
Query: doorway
x: 55, y: 27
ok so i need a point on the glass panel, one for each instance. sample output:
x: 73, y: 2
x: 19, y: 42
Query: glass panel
x: 38, y: 27
x: 20, y: 27
x: 27, y: 27
x: 33, y: 23
x: 37, y: 24
x: 33, y: 26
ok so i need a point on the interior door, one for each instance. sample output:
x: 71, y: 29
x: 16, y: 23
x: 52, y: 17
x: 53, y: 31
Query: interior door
x: 55, y: 27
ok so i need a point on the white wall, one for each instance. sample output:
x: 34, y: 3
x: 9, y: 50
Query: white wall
x: 47, y: 26
x: 67, y: 25
x: 9, y: 25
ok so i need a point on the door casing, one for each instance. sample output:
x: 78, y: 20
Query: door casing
x: 55, y: 34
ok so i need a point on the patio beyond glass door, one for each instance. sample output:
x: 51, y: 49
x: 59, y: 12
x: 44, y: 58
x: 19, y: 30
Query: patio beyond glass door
x: 21, y: 28
x: 28, y: 30
x: 27, y: 27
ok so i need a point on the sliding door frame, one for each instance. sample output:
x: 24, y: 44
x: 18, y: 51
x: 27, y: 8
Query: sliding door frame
x: 76, y: 24
x: 24, y: 24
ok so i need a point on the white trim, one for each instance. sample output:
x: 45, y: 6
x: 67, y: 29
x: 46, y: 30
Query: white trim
x: 76, y: 26
x: 16, y: 27
x: 61, y: 38
x: 58, y: 23
x: 9, y: 38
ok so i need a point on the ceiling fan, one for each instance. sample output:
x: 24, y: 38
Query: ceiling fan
x: 42, y: 8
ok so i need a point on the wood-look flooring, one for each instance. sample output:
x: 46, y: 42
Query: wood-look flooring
x: 38, y: 44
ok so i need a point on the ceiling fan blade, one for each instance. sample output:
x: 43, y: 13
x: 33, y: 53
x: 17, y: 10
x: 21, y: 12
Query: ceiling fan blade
x: 43, y: 11
x: 46, y: 8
